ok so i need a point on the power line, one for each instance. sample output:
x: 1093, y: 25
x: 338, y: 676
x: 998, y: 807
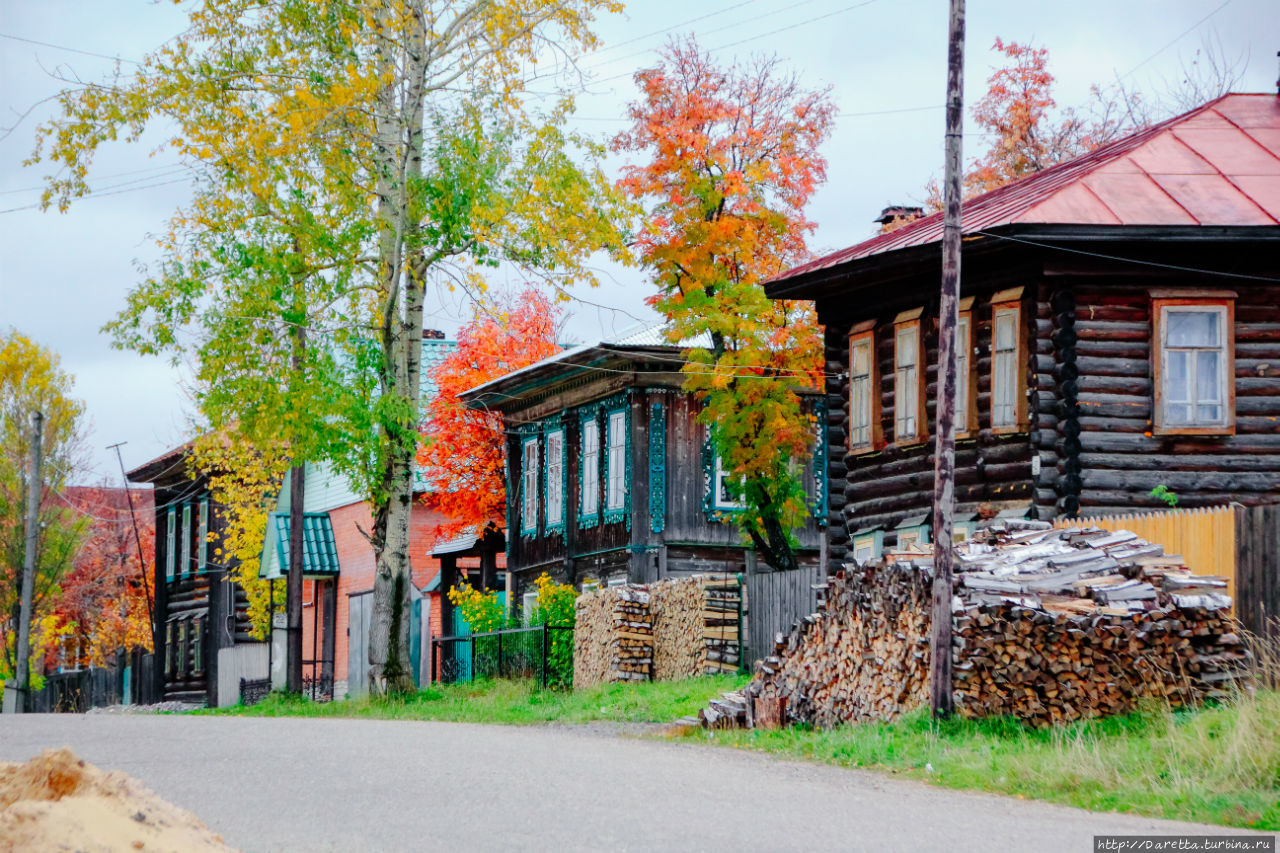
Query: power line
x: 158, y: 171
x: 68, y: 49
x: 768, y: 34
x: 102, y: 194
x: 667, y: 30
x: 1177, y: 39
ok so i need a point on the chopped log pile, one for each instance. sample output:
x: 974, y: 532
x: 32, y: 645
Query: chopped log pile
x: 669, y: 630
x: 612, y: 637
x: 1050, y: 626
x: 695, y: 626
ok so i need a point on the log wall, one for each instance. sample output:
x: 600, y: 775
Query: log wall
x: 1120, y: 459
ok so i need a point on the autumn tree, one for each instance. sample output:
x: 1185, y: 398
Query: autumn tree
x: 1028, y: 132
x: 402, y: 126
x: 463, y: 450
x: 731, y: 161
x: 104, y: 604
x: 31, y: 379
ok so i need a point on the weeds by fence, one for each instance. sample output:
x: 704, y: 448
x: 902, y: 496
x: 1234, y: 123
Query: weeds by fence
x: 542, y: 652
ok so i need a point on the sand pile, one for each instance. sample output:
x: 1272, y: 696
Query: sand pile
x: 57, y: 802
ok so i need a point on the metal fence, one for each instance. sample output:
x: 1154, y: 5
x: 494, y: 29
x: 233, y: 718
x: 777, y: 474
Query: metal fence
x: 540, y: 652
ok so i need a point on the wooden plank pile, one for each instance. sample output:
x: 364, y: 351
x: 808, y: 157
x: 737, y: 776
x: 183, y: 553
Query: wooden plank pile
x: 695, y: 626
x: 613, y: 636
x: 1049, y: 625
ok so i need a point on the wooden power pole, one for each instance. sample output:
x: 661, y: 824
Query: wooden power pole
x: 35, y: 486
x: 944, y: 460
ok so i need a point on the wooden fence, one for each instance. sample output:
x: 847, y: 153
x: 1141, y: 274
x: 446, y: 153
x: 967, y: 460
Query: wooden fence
x: 1204, y: 538
x: 774, y: 601
x: 1258, y: 569
x: 1239, y: 543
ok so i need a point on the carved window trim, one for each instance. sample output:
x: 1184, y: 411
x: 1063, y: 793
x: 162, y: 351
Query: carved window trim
x: 529, y: 486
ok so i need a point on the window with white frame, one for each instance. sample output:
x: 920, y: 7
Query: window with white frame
x: 907, y: 378
x: 1194, y: 366
x: 170, y: 543
x: 590, y: 467
x: 616, y: 488
x: 555, y: 478
x: 722, y: 497
x: 861, y: 391
x: 529, y: 485
x: 1005, y: 397
x: 202, y: 544
x: 528, y: 607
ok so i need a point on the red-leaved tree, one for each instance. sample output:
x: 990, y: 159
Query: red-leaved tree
x: 104, y: 604
x: 730, y: 159
x: 462, y: 449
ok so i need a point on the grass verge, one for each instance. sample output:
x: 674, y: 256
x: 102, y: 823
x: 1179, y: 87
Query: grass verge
x: 514, y: 703
x: 1216, y: 765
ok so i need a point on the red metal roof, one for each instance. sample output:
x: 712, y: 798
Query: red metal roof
x: 1216, y: 165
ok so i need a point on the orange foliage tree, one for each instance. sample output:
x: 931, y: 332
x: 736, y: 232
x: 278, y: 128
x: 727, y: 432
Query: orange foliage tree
x: 104, y: 604
x: 1027, y: 132
x: 732, y: 160
x: 462, y: 449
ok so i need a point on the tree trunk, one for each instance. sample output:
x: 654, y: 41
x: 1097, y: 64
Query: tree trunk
x: 399, y: 152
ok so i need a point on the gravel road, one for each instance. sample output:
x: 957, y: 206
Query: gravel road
x: 351, y: 785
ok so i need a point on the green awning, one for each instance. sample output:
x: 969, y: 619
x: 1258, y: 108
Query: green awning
x: 319, y: 550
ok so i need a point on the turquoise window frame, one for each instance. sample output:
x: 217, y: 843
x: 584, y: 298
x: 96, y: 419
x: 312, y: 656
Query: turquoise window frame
x: 588, y: 518
x: 613, y: 515
x: 527, y: 528
x: 969, y: 528
x: 185, y: 568
x: 202, y: 544
x: 553, y: 427
x: 170, y: 543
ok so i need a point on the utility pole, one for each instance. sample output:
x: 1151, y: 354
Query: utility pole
x: 137, y: 538
x: 297, y: 493
x: 35, y: 486
x: 293, y: 584
x: 944, y: 460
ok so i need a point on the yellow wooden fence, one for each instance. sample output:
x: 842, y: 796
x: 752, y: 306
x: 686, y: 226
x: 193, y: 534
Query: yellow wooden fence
x: 1204, y: 538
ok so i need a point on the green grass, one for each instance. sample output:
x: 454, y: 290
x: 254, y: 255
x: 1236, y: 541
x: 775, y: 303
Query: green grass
x: 515, y: 703
x: 1214, y: 765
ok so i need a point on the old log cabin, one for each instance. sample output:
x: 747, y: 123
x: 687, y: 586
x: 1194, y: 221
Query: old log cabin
x: 1119, y: 330
x: 611, y: 478
x: 202, y: 621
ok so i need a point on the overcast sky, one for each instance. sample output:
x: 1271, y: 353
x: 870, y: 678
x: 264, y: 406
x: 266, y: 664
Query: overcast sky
x: 62, y: 276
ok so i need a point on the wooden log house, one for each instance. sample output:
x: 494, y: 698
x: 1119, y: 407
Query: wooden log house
x: 1119, y: 330
x: 611, y: 479
x: 199, y: 610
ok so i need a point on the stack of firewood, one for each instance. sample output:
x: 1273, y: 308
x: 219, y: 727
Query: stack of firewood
x: 695, y: 626
x: 613, y: 636
x: 721, y: 624
x: 1049, y: 626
